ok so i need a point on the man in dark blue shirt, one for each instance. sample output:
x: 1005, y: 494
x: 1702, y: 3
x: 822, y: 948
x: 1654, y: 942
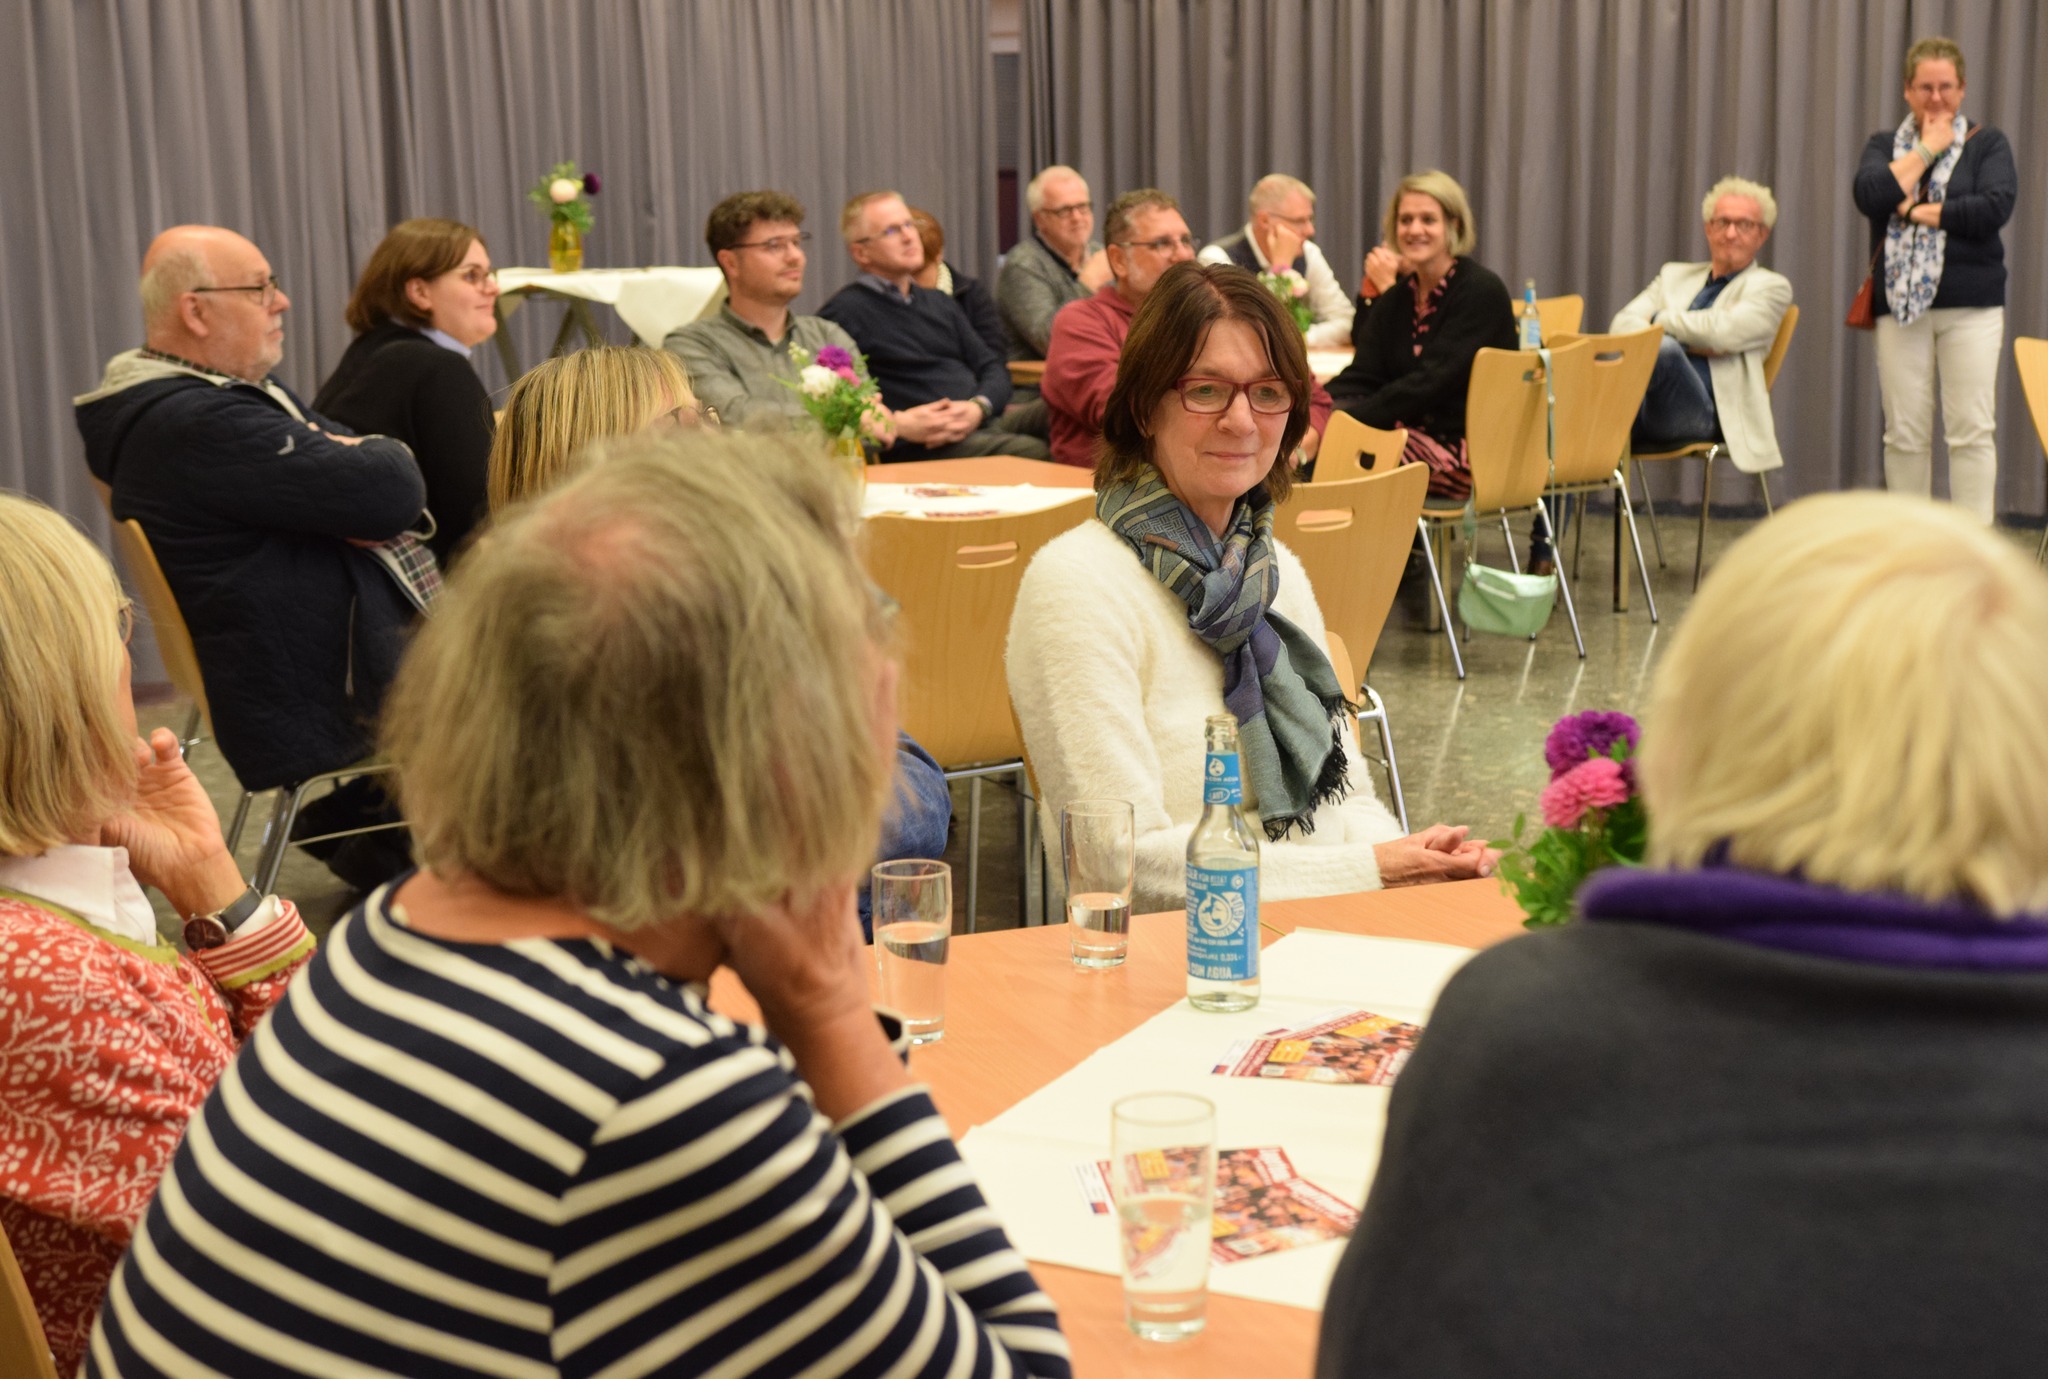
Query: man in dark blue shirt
x: 941, y: 381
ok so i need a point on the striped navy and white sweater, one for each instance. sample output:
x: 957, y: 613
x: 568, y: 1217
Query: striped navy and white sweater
x: 540, y: 1158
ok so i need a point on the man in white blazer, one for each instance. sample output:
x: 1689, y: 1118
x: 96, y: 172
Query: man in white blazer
x: 1719, y: 319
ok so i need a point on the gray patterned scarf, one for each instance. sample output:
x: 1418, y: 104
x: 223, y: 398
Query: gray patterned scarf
x: 1276, y: 681
x: 1913, y: 253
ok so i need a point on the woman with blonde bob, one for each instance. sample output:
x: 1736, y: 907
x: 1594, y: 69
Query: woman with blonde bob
x: 646, y: 735
x: 109, y: 1036
x: 557, y: 409
x: 1778, y: 1103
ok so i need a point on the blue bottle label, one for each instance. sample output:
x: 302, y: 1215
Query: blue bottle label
x: 1220, y: 782
x: 1223, y: 923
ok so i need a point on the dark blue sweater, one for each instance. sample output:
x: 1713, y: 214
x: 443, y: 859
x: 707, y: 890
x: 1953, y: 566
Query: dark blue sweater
x: 1977, y: 205
x: 921, y: 349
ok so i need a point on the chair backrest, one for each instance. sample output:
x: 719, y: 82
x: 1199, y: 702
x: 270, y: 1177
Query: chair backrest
x: 1351, y: 448
x: 1779, y: 344
x: 1619, y: 376
x: 173, y: 638
x: 956, y: 579
x: 1560, y: 315
x: 1353, y: 538
x: 24, y: 1350
x: 2031, y: 356
x: 1507, y: 421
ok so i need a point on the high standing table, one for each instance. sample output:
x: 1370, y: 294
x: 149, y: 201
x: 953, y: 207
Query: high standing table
x: 1019, y: 1014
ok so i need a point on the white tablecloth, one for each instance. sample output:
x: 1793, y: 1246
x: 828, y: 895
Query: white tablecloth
x: 651, y: 301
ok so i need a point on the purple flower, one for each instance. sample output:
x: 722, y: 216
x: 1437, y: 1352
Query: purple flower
x: 1582, y: 735
x: 833, y: 357
x: 591, y: 185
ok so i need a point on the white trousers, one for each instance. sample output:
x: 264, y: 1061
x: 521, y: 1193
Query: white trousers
x: 1960, y: 346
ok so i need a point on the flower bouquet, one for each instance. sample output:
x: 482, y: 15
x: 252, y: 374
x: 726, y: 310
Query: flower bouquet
x: 1292, y: 290
x: 561, y: 194
x: 1591, y: 811
x: 846, y: 404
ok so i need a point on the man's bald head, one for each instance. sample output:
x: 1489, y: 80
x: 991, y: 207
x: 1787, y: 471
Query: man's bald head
x: 187, y: 312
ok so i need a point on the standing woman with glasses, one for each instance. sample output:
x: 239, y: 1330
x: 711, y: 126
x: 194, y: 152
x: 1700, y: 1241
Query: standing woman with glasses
x: 1178, y: 604
x: 1425, y: 309
x: 426, y: 299
x: 1936, y: 191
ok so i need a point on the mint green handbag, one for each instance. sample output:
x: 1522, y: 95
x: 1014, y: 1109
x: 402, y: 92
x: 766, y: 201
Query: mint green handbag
x: 1500, y: 601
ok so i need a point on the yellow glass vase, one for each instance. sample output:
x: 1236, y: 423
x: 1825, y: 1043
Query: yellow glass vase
x: 565, y: 247
x: 848, y: 453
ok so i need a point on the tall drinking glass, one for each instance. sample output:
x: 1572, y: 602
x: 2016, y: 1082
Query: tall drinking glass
x: 1162, y: 1177
x: 913, y: 913
x: 1098, y: 841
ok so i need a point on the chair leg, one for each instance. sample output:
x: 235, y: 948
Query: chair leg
x: 1436, y: 584
x: 1564, y: 585
x: 1578, y: 534
x: 2041, y: 555
x: 973, y: 851
x: 1507, y: 534
x: 241, y: 816
x: 278, y: 836
x: 189, y: 739
x: 1650, y: 507
x: 1636, y: 539
x: 1030, y: 851
x: 1376, y: 710
x: 1763, y: 481
x: 1699, y: 555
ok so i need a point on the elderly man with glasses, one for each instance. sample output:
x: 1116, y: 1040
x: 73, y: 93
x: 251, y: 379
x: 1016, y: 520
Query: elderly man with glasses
x: 1281, y: 235
x: 1719, y: 320
x: 1147, y: 235
x: 288, y: 541
x: 1060, y: 261
x: 944, y: 386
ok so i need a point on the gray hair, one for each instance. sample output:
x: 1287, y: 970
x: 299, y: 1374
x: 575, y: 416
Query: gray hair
x: 1275, y: 187
x: 175, y: 272
x: 1034, y: 190
x: 1742, y: 186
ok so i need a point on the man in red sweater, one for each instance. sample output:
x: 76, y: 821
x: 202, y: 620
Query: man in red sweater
x: 1144, y: 236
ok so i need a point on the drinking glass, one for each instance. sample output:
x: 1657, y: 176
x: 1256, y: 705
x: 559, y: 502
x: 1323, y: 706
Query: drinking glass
x: 1098, y: 841
x: 1162, y: 1178
x: 913, y: 913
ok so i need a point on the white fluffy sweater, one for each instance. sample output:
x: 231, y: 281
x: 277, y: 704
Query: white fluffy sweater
x: 1112, y: 688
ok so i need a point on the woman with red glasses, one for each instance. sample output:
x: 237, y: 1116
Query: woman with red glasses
x: 427, y: 297
x: 1177, y: 604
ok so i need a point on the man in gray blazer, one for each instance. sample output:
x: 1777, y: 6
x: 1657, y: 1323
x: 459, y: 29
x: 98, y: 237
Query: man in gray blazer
x: 1719, y: 320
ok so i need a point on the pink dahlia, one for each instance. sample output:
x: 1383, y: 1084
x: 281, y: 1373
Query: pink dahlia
x: 1598, y: 783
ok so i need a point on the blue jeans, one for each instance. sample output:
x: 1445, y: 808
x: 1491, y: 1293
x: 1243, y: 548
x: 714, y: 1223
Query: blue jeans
x: 918, y: 817
x: 1678, y: 409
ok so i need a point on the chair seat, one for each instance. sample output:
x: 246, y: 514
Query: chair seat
x: 1683, y: 449
x: 1431, y: 514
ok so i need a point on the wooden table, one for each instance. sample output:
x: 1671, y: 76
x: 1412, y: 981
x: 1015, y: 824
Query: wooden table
x: 1027, y: 373
x: 990, y: 469
x: 1019, y: 1014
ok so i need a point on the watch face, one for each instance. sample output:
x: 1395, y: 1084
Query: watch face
x: 205, y: 931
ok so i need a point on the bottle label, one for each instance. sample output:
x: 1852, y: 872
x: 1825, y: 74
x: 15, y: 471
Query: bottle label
x: 1223, y: 923
x: 1220, y: 781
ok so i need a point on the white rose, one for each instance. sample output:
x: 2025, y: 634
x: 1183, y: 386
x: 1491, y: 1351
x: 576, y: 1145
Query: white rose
x: 563, y: 190
x: 818, y: 381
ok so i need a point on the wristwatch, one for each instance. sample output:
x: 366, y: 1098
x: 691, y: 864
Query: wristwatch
x: 211, y: 931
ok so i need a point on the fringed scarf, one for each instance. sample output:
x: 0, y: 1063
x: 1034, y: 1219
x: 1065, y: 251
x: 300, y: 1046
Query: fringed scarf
x: 1276, y: 681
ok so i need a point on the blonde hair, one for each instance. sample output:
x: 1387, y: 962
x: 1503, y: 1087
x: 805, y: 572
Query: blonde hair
x: 558, y: 408
x: 1935, y: 50
x: 1856, y: 696
x: 850, y: 214
x: 1275, y: 187
x: 1766, y: 204
x: 66, y: 759
x: 1442, y: 188
x: 642, y: 694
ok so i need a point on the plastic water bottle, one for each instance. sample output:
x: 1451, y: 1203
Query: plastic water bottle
x: 1223, y: 883
x: 1531, y: 319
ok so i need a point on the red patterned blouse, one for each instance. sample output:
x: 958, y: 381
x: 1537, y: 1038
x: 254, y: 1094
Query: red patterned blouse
x: 107, y: 1047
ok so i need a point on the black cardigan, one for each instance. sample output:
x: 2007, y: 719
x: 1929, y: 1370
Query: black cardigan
x: 394, y: 381
x: 1387, y: 384
x: 1977, y: 205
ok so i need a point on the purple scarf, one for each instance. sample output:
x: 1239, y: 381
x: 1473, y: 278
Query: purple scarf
x: 1798, y: 916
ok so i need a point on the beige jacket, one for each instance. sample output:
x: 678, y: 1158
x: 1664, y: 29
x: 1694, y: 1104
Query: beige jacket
x: 1737, y: 330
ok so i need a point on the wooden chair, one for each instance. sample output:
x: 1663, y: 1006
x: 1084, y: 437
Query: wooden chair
x: 1709, y: 451
x: 2031, y: 356
x: 1351, y: 448
x: 1589, y: 460
x: 24, y: 1350
x: 1353, y: 537
x: 1560, y: 315
x: 1508, y: 440
x: 956, y: 580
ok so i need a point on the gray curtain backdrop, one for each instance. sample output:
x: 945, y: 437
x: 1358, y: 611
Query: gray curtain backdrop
x: 314, y: 127
x: 1585, y: 132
